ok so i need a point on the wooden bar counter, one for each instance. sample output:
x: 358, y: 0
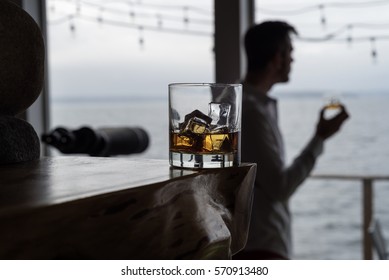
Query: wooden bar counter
x: 118, y: 208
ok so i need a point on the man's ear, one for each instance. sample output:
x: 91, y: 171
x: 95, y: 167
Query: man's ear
x: 277, y: 60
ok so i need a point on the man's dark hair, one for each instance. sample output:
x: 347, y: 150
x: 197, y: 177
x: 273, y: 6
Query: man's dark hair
x: 263, y: 41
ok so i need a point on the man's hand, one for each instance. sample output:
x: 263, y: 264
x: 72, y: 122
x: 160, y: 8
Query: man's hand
x: 328, y: 127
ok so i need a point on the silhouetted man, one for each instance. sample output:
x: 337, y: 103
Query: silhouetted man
x: 269, y: 52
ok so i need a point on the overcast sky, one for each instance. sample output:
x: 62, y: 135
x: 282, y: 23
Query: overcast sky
x: 113, y: 57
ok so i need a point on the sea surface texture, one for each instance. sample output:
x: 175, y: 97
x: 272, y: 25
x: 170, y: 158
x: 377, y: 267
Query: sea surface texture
x: 327, y: 214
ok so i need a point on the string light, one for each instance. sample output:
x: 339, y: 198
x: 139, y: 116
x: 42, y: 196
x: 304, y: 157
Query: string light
x: 131, y: 12
x: 78, y: 7
x: 373, y: 48
x: 100, y: 16
x: 116, y: 11
x: 71, y: 24
x: 132, y: 25
x: 132, y: 15
x: 141, y: 38
x: 335, y: 36
x: 349, y: 37
x: 194, y: 9
x: 329, y: 37
x: 323, y: 20
x: 159, y: 21
x: 186, y: 18
x: 307, y: 9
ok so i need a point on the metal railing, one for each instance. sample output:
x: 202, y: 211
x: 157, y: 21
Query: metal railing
x: 367, y: 203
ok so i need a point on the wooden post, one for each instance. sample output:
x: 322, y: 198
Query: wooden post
x: 367, y: 217
x: 232, y: 19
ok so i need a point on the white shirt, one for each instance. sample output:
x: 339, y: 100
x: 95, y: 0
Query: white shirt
x: 262, y: 143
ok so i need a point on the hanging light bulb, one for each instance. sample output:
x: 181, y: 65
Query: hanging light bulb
x: 323, y: 20
x: 78, y: 7
x: 132, y: 16
x: 141, y: 38
x: 100, y: 17
x: 160, y: 22
x: 373, y: 49
x: 131, y: 12
x: 349, y: 37
x: 186, y: 18
x: 71, y: 24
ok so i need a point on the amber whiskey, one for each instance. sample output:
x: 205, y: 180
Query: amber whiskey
x: 206, y: 143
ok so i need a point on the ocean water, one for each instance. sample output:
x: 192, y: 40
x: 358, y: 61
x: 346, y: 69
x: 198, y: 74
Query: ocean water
x: 327, y: 214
